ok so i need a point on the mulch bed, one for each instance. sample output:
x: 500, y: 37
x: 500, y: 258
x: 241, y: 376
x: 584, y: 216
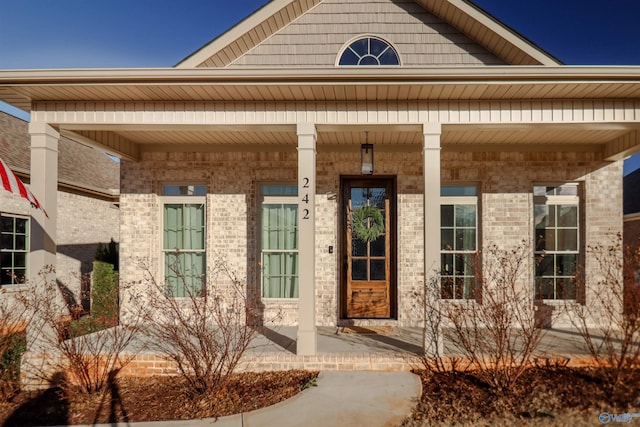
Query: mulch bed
x: 543, y: 396
x: 152, y: 399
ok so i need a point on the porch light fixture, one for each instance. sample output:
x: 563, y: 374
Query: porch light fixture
x: 366, y: 156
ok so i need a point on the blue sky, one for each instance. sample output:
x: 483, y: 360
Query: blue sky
x: 160, y: 33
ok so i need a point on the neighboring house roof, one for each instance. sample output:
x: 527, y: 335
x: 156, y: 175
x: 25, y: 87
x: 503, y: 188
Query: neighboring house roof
x: 631, y: 198
x: 273, y: 18
x: 80, y: 167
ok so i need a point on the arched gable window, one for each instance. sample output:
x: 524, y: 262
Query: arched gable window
x: 369, y: 51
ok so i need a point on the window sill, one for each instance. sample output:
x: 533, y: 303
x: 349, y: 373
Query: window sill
x: 9, y: 289
x: 555, y: 302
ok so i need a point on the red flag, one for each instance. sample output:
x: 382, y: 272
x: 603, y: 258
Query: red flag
x: 12, y: 184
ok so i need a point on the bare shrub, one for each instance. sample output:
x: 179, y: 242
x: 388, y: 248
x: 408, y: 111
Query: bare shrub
x: 205, y: 332
x: 497, y: 330
x: 88, y: 352
x: 609, y: 319
x: 14, y: 320
x: 432, y: 317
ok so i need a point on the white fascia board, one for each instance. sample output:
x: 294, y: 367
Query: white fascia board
x: 506, y: 33
x: 234, y: 33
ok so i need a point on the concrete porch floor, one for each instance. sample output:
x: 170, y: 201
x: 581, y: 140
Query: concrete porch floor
x: 275, y: 348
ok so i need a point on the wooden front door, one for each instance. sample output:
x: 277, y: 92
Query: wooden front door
x: 368, y: 277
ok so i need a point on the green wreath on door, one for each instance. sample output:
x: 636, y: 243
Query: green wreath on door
x: 359, y: 225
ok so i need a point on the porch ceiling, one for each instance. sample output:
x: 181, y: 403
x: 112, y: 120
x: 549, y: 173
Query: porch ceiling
x: 561, y: 137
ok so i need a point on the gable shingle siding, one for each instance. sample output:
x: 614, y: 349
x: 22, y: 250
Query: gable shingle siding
x: 316, y: 38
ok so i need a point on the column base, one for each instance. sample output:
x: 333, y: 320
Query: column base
x: 307, y: 342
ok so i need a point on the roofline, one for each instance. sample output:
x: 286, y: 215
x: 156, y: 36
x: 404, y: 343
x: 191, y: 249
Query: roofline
x: 112, y: 194
x: 210, y: 48
x: 507, y: 32
x: 20, y: 88
x: 631, y: 217
x: 214, y: 75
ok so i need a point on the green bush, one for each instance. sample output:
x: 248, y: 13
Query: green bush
x: 104, y: 292
x: 14, y: 346
x: 88, y: 325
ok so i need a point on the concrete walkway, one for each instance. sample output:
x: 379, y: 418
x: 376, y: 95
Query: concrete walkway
x: 345, y: 399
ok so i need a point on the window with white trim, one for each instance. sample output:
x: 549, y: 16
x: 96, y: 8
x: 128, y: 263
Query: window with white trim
x: 279, y: 241
x: 369, y: 51
x: 459, y: 241
x: 183, y: 241
x: 14, y: 249
x: 556, y: 217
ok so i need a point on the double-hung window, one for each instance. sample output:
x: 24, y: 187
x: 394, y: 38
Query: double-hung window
x: 279, y: 241
x: 557, y: 240
x: 183, y: 242
x: 14, y: 249
x: 459, y: 241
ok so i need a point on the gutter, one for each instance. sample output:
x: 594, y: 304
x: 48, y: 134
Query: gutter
x: 308, y: 75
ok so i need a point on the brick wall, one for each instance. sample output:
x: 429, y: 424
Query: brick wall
x: 83, y: 223
x: 506, y: 205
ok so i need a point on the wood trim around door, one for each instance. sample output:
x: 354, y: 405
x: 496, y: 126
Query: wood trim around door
x: 361, y: 294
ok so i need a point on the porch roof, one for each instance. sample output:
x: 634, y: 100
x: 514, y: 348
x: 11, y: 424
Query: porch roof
x: 22, y: 88
x: 608, y: 95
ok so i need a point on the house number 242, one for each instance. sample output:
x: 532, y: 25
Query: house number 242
x: 305, y: 197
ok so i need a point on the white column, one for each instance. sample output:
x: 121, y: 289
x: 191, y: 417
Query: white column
x: 44, y: 186
x: 307, y: 334
x: 431, y: 171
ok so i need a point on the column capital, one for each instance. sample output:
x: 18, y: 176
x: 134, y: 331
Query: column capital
x: 43, y: 136
x: 432, y: 128
x: 306, y: 129
x: 40, y: 128
x: 432, y: 134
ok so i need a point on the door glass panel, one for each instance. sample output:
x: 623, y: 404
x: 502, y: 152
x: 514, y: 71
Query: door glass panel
x: 378, y: 269
x: 377, y: 197
x: 358, y: 197
x: 359, y: 269
x: 378, y: 246
x: 362, y: 249
x: 358, y: 247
